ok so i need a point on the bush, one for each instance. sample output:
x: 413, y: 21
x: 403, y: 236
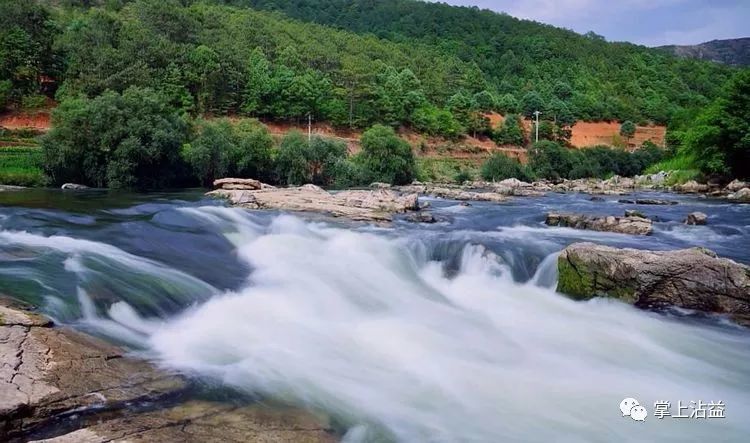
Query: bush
x: 385, y: 157
x: 21, y: 166
x: 499, y: 167
x: 317, y: 161
x: 550, y: 160
x: 222, y: 149
x: 128, y: 140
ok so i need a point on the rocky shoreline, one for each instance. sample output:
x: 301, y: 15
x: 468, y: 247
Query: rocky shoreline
x: 382, y: 201
x: 61, y: 385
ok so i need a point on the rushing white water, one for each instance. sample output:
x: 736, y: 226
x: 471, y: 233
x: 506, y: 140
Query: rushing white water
x: 366, y: 328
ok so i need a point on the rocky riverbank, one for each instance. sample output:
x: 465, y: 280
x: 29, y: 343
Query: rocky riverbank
x: 60, y: 385
x: 693, y: 278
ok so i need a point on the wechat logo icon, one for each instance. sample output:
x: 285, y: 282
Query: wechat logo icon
x: 630, y: 407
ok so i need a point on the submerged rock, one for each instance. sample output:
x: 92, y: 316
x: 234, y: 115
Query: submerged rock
x: 696, y: 218
x: 688, y: 278
x: 634, y: 213
x: 366, y: 205
x: 621, y: 225
x: 59, y: 385
x: 73, y: 187
x: 421, y: 217
x: 648, y: 201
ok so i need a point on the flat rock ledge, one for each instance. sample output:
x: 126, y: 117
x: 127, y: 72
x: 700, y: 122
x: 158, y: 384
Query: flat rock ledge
x: 59, y: 385
x: 633, y: 225
x: 362, y: 205
x: 693, y: 279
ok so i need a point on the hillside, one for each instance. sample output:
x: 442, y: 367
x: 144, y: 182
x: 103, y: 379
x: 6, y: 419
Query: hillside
x: 733, y: 52
x: 534, y: 64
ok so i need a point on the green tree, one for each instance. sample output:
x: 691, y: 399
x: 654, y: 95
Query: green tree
x: 221, y: 148
x: 128, y: 140
x: 627, y: 130
x: 385, y: 157
x: 510, y: 131
x: 258, y: 84
x: 720, y: 136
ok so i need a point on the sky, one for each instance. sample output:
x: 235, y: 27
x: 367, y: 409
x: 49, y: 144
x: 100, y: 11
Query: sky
x: 646, y: 22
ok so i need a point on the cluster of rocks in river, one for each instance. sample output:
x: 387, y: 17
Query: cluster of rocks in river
x: 364, y: 205
x: 630, y: 224
x: 59, y: 385
x: 694, y: 279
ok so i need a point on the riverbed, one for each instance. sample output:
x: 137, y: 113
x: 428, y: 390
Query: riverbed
x: 408, y: 332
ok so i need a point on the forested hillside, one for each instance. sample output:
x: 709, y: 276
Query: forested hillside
x: 536, y: 64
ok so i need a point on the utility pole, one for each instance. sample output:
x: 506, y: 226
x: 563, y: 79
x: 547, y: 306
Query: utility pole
x: 536, y: 113
x: 309, y: 127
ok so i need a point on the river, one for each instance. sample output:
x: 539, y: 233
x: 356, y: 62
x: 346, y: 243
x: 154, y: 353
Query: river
x: 450, y: 332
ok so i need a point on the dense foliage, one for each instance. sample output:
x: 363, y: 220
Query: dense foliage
x: 128, y: 140
x: 542, y: 67
x: 223, y: 149
x: 719, y: 141
x: 552, y: 161
x: 301, y: 160
x: 385, y: 157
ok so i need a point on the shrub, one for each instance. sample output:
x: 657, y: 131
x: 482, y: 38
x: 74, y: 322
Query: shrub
x: 385, y: 157
x: 499, y: 167
x: 221, y: 149
x: 128, y: 140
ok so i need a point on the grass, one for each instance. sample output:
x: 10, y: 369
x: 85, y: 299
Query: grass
x: 683, y: 169
x: 445, y: 170
x: 676, y: 163
x: 21, y: 166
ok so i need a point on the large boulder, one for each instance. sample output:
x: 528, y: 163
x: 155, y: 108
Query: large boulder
x: 696, y: 218
x: 692, y: 187
x: 741, y: 196
x: 689, y: 278
x: 736, y: 185
x: 621, y: 225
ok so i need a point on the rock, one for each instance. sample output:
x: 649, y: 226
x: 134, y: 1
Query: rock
x: 244, y: 184
x: 648, y: 201
x: 514, y: 183
x: 365, y: 205
x: 48, y: 372
x: 379, y: 185
x: 459, y: 194
x: 4, y: 188
x: 634, y: 213
x: 467, y: 204
x: 73, y: 187
x: 621, y: 225
x: 741, y: 196
x: 59, y: 385
x: 688, y: 278
x: 736, y: 185
x: 691, y: 187
x: 421, y: 217
x: 596, y: 199
x: 696, y: 218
